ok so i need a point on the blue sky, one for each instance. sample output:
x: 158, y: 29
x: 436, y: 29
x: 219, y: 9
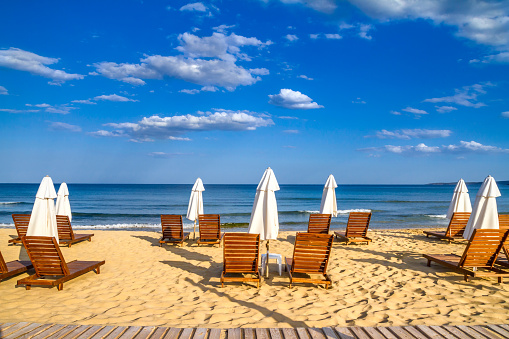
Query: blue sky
x: 167, y: 91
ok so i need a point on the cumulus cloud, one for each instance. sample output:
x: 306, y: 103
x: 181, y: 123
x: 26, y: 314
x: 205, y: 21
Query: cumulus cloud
x: 291, y: 131
x: 113, y: 97
x: 302, y: 76
x: 171, y: 128
x: 445, y: 109
x: 86, y: 102
x: 9, y: 110
x: 325, y: 6
x: 414, y: 111
x: 423, y: 149
x: 333, y: 36
x: 364, y: 30
x: 395, y: 113
x: 223, y: 28
x: 466, y: 96
x: 291, y: 37
x: 207, y: 61
x: 413, y: 134
x: 57, y: 109
x: 190, y: 91
x: 292, y: 100
x: 197, y: 6
x: 21, y: 60
x: 3, y: 91
x: 62, y: 126
x: 166, y: 155
x: 505, y: 114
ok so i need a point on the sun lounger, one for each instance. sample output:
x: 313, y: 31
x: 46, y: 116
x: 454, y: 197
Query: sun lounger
x: 240, y: 255
x: 8, y: 269
x: 50, y: 266
x: 503, y: 220
x: 356, y: 229
x: 66, y: 235
x: 319, y: 223
x: 210, y: 229
x: 173, y: 230
x: 478, y: 259
x: 311, y: 255
x: 21, y: 223
x: 454, y: 230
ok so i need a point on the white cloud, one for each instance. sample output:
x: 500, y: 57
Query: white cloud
x: 288, y: 118
x: 197, y: 6
x: 363, y: 31
x: 21, y: 60
x: 333, y: 36
x: 3, y: 91
x: 218, y: 69
x: 292, y: 100
x: 314, y: 36
x: 9, y: 110
x: 466, y: 96
x: 445, y: 109
x: 86, y: 102
x: 291, y: 131
x: 291, y: 37
x: 302, y: 76
x: 166, y: 155
x: 473, y: 146
x: 209, y: 89
x: 325, y: 6
x: 413, y: 134
x: 58, y: 109
x: 505, y: 114
x: 203, y: 89
x: 358, y: 101
x: 171, y: 128
x: 395, y: 113
x: 103, y: 133
x: 190, y: 91
x: 113, y: 97
x: 414, y: 110
x: 423, y: 149
x: 223, y: 28
x: 62, y: 126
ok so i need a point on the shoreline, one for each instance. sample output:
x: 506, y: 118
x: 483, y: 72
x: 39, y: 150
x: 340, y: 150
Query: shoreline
x: 386, y: 283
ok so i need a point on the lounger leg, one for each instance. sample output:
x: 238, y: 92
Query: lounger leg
x: 429, y: 263
x: 27, y: 287
x: 60, y: 286
x: 500, y: 280
x: 467, y: 278
x: 98, y: 270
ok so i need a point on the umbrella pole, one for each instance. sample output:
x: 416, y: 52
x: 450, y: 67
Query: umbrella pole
x: 267, y: 261
x: 194, y: 230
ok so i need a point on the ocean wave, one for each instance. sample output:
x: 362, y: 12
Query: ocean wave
x: 439, y: 216
x: 11, y: 202
x: 118, y: 226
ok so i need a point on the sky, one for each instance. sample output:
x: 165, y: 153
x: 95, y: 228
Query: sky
x: 371, y: 91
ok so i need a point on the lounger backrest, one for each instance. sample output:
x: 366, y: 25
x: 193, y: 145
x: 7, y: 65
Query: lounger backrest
x: 319, y: 223
x: 172, y: 226
x: 241, y: 252
x: 45, y: 255
x: 503, y: 220
x: 311, y: 252
x: 21, y: 222
x: 457, y: 224
x: 483, y: 248
x: 3, y: 266
x: 64, y: 228
x: 210, y: 226
x: 358, y: 223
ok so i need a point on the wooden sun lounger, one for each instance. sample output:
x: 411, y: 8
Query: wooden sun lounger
x: 481, y: 251
x: 173, y: 230
x: 210, y: 229
x: 319, y: 223
x: 66, y: 235
x: 503, y: 220
x: 8, y: 269
x: 311, y: 255
x: 241, y: 252
x: 50, y: 266
x: 356, y: 229
x: 455, y: 229
x: 21, y: 222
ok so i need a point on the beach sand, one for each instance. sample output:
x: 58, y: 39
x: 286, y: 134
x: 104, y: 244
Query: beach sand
x: 381, y: 284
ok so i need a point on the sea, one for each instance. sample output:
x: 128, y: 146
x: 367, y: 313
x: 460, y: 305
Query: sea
x: 138, y: 207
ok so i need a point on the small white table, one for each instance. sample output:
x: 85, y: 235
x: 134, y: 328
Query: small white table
x: 276, y: 256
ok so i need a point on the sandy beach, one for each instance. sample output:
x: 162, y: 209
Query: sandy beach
x: 382, y: 284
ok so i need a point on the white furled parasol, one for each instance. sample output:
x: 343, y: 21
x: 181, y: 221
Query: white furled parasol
x: 460, y: 201
x: 484, y: 214
x: 195, y: 207
x: 63, y: 206
x: 43, y: 221
x: 264, y: 218
x: 329, y: 204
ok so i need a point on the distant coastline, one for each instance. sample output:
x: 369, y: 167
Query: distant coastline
x: 503, y: 182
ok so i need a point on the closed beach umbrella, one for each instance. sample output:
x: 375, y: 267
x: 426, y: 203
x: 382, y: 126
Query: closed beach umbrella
x: 329, y: 204
x: 460, y: 201
x: 63, y: 206
x: 43, y: 221
x: 484, y: 214
x: 195, y: 207
x: 264, y: 219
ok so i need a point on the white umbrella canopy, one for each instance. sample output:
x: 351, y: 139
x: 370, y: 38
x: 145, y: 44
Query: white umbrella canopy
x: 329, y: 204
x: 264, y: 218
x: 43, y: 221
x: 484, y: 214
x: 63, y: 206
x: 195, y: 207
x: 460, y: 201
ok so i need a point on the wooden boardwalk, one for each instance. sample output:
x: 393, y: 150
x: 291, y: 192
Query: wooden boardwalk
x: 27, y: 330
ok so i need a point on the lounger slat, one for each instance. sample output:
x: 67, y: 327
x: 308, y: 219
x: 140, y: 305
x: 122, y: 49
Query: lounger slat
x: 319, y: 223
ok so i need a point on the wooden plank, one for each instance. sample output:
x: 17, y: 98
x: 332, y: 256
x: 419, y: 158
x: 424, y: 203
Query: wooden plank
x: 440, y: 330
x: 145, y: 332
x: 329, y: 333
x: 233, y: 333
x: 131, y: 332
x: 103, y: 332
x: 373, y: 333
x: 485, y: 332
x: 14, y: 328
x: 415, y: 332
x: 458, y: 333
x: 49, y: 332
x: 117, y: 332
x: 359, y: 333
x: 499, y: 330
x: 386, y: 333
x: 472, y: 333
x: 316, y: 333
x: 288, y: 333
x: 173, y: 333
x: 200, y: 333
x: 302, y: 332
x: 22, y: 331
x: 30, y: 333
x: 262, y: 333
x: 5, y: 326
x: 429, y: 332
x: 275, y: 333
x: 90, y: 332
x: 249, y: 333
x: 215, y: 333
x: 187, y: 333
x: 159, y: 333
x: 344, y: 333
x: 74, y: 332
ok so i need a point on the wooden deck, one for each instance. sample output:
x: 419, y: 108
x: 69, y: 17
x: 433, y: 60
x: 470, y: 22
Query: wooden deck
x: 40, y: 331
